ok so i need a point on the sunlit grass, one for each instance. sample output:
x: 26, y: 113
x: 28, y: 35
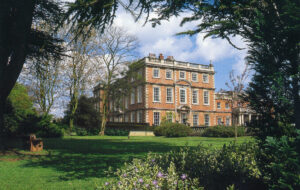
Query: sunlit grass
x: 81, y: 162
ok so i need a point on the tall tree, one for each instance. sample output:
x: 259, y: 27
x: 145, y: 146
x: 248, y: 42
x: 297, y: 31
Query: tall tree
x: 236, y: 85
x: 114, y: 47
x: 78, y: 73
x: 19, y: 41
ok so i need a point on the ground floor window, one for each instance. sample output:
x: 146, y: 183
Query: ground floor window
x: 169, y: 117
x: 219, y: 121
x: 195, y: 120
x: 140, y: 117
x: 132, y: 117
x: 227, y: 121
x: 156, y: 118
x: 206, y: 119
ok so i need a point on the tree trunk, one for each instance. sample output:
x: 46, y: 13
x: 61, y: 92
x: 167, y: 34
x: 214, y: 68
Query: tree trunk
x: 71, y: 123
x: 15, y: 26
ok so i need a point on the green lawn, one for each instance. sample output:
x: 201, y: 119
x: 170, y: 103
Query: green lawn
x: 81, y: 162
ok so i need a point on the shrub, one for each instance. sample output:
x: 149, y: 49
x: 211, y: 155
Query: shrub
x: 172, y: 130
x: 231, y: 166
x: 280, y: 162
x: 223, y: 131
x: 45, y: 128
x: 116, y: 132
x: 147, y: 174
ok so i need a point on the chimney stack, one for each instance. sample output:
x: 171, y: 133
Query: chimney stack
x: 161, y: 56
x: 171, y: 58
x: 152, y: 55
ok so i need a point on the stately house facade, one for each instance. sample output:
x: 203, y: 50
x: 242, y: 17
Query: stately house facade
x: 174, y: 90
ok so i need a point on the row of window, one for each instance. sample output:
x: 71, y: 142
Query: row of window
x: 134, y: 117
x: 182, y: 95
x: 182, y: 75
x: 156, y: 119
x: 220, y: 122
x: 219, y: 105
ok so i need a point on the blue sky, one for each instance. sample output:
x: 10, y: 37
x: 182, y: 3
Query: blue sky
x: 162, y: 39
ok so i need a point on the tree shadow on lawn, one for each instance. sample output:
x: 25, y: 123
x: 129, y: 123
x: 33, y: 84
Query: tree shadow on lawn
x: 84, y: 158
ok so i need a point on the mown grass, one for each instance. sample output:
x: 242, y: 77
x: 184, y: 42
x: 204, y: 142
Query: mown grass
x: 81, y: 162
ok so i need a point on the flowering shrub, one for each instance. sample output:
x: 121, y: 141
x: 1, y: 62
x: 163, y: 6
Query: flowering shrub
x: 193, y: 168
x: 147, y: 174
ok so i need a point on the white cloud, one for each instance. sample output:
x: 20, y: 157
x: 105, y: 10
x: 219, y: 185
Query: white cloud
x: 163, y: 39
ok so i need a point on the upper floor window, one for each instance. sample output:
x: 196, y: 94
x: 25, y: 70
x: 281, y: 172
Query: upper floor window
x: 206, y: 120
x: 195, y: 120
x: 139, y: 94
x: 156, y: 73
x: 156, y: 94
x: 169, y: 95
x: 205, y: 78
x: 194, y: 77
x: 132, y: 97
x: 181, y: 74
x: 183, y: 96
x: 168, y: 74
x: 219, y: 105
x: 227, y: 105
x: 156, y: 118
x: 195, y: 96
x: 206, y: 97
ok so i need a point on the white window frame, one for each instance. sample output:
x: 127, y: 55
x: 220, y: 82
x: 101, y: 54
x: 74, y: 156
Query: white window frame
x: 197, y: 119
x: 183, y: 73
x: 169, y: 116
x: 159, y: 94
x: 139, y: 94
x: 154, y: 72
x: 168, y: 88
x: 196, y: 77
x: 132, y: 118
x: 197, y: 96
x: 184, y: 96
x: 132, y: 97
x: 219, y: 119
x: 207, y: 77
x: 126, y: 118
x: 218, y: 105
x: 154, y: 119
x: 170, y: 73
x: 204, y: 103
x: 227, y: 123
x: 126, y: 102
x: 206, y: 122
x: 140, y: 116
x: 226, y: 105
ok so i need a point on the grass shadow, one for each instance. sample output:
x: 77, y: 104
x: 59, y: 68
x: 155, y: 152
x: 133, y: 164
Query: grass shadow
x: 85, y: 158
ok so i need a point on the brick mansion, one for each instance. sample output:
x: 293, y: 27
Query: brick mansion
x: 176, y: 91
